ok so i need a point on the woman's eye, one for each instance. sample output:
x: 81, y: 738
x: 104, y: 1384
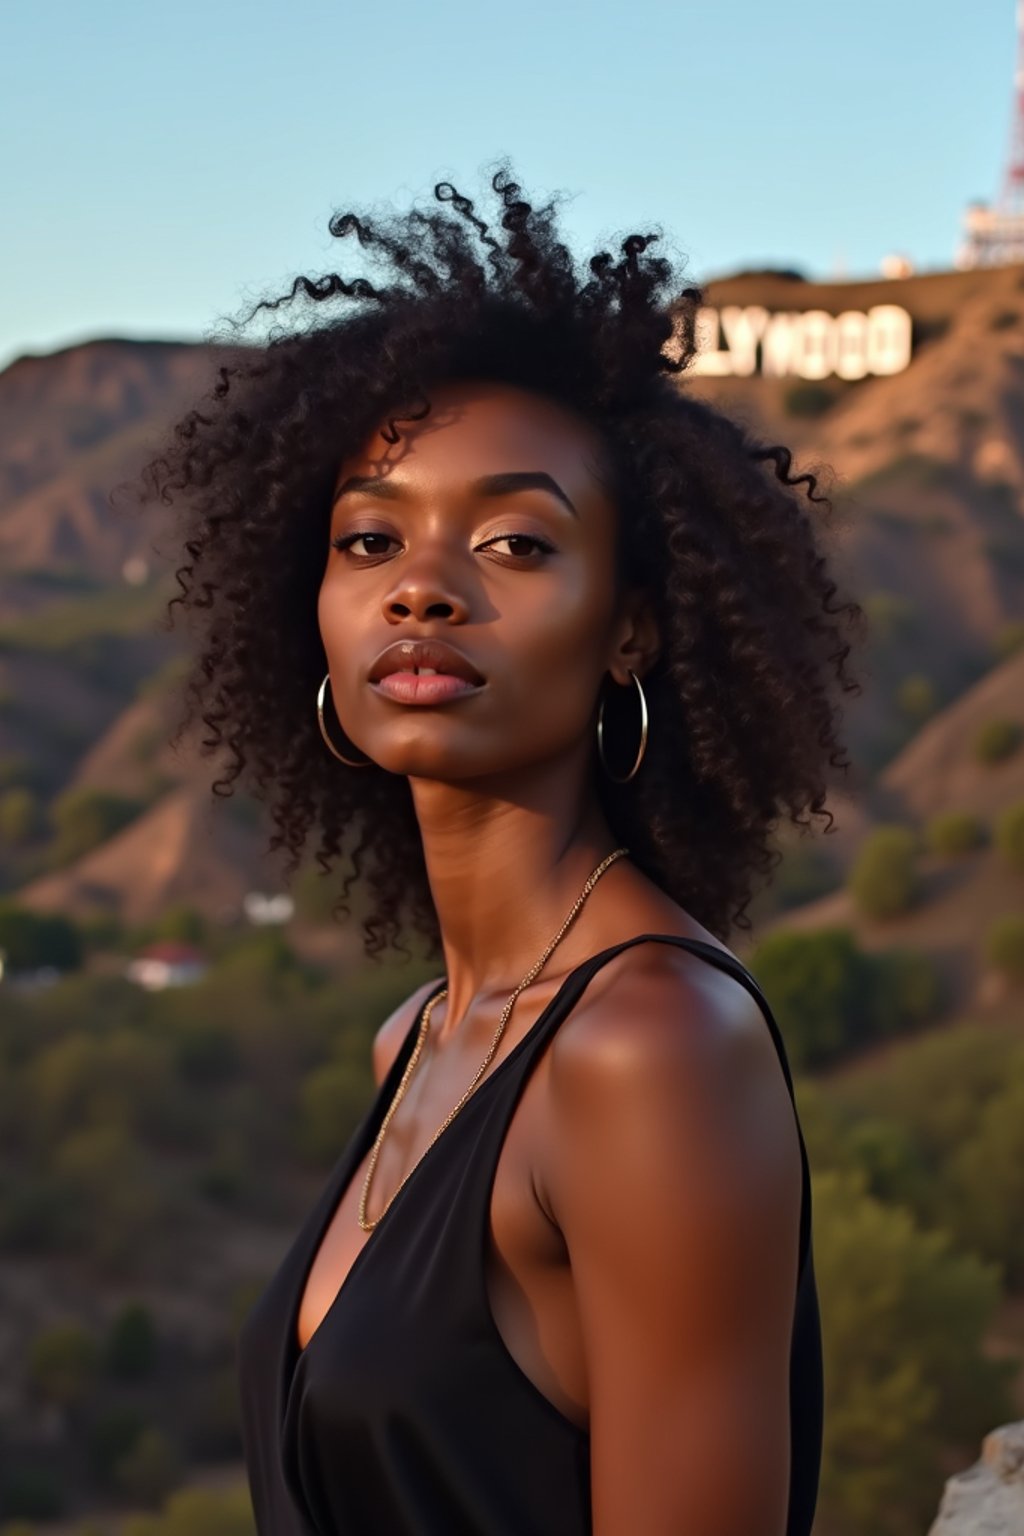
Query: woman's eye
x: 521, y: 546
x: 345, y: 541
x: 516, y: 541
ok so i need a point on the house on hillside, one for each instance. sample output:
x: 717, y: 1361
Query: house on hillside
x: 166, y: 964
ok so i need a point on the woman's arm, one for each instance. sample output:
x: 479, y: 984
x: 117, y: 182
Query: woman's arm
x: 675, y: 1179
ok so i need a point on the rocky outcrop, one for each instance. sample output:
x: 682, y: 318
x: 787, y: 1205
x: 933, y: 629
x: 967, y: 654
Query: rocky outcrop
x: 987, y: 1499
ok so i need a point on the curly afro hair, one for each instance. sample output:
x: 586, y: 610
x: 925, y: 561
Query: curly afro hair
x: 712, y: 522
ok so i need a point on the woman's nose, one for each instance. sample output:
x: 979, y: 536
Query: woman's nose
x: 424, y: 591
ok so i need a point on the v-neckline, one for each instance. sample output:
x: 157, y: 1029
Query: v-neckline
x: 339, y: 1189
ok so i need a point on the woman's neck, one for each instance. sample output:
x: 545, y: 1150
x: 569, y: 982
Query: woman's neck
x: 505, y: 873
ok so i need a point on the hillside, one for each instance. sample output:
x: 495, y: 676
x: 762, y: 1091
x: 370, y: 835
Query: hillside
x: 939, y: 769
x: 926, y: 467
x: 72, y: 424
x: 161, y: 1147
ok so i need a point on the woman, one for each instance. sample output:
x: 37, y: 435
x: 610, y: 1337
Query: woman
x: 545, y: 645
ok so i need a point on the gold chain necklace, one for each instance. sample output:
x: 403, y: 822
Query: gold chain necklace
x: 368, y: 1226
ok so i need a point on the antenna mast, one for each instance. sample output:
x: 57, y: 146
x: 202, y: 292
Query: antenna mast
x: 994, y: 235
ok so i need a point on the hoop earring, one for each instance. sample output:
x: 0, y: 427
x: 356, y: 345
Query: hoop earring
x: 323, y: 728
x: 641, y: 749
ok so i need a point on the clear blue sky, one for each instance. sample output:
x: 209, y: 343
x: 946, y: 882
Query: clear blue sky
x: 163, y: 160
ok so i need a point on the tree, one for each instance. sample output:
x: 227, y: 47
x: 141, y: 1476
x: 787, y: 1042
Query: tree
x: 997, y: 740
x: 808, y: 399
x: 903, y: 1325
x: 986, y: 1178
x: 30, y: 940
x: 1009, y: 835
x: 1010, y: 639
x: 84, y: 818
x: 197, y: 1512
x: 332, y: 1100
x: 115, y: 1080
x: 62, y: 1363
x: 954, y: 833
x: 933, y: 1127
x: 150, y: 1468
x: 904, y: 991
x: 884, y: 879
x: 806, y: 872
x: 20, y: 817
x: 916, y: 697
x: 1004, y: 945
x: 830, y: 998
x: 112, y: 1435
x: 130, y: 1350
x: 184, y: 924
x: 121, y: 1216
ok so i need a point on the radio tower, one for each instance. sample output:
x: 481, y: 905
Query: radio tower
x: 994, y: 236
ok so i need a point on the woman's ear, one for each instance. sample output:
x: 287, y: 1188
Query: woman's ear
x: 637, y: 641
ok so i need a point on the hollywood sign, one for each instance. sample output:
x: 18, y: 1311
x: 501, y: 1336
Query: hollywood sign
x: 811, y: 345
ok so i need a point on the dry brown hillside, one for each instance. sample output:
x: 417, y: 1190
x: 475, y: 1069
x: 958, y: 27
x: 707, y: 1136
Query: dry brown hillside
x: 927, y: 467
x: 72, y: 424
x: 939, y: 770
x: 185, y: 851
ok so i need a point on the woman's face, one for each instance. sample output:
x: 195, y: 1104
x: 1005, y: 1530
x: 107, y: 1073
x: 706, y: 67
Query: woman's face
x: 486, y: 526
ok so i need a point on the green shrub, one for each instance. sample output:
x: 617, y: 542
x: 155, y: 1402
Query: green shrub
x: 183, y: 924
x: 111, y: 1437
x: 1004, y: 945
x: 30, y: 940
x: 149, y: 1469
x: 21, y: 817
x: 16, y: 770
x: 32, y: 1492
x: 831, y: 999
x: 1010, y: 639
x: 62, y: 1363
x: 130, y: 1350
x: 930, y: 328
x: 805, y: 873
x: 954, y: 833
x: 997, y: 740
x: 986, y: 1181
x: 937, y: 1089
x: 890, y: 615
x: 206, y: 1052
x: 916, y: 697
x: 904, y: 1320
x: 38, y: 1214
x: 1009, y: 835
x: 884, y: 879
x: 101, y: 931
x: 814, y: 982
x: 198, y: 1512
x: 115, y: 1081
x: 889, y: 1158
x: 808, y: 399
x: 84, y: 818
x: 904, y: 991
x: 333, y: 1099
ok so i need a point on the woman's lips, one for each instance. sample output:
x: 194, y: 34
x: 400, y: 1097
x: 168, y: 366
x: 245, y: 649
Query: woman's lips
x: 417, y: 688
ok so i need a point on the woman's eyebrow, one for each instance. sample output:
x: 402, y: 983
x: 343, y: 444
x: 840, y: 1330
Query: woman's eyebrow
x: 522, y: 480
x: 506, y: 484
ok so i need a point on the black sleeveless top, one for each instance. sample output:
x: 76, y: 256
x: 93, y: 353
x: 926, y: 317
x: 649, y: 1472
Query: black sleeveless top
x: 406, y: 1415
